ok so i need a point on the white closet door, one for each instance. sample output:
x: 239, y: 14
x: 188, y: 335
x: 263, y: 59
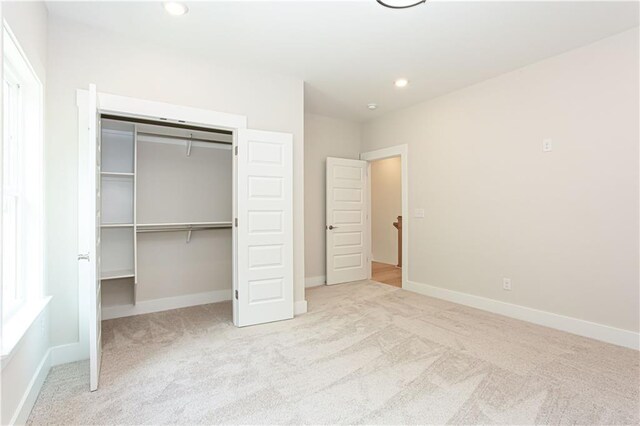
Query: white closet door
x: 89, y: 225
x: 346, y: 231
x: 263, y: 281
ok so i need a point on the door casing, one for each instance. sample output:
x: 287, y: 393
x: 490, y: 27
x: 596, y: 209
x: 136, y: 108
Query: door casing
x: 401, y: 151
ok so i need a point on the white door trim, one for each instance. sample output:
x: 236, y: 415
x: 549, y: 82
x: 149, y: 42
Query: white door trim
x: 139, y: 108
x: 401, y: 151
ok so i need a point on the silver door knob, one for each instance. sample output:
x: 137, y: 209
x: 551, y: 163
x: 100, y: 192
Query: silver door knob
x: 330, y: 227
x: 83, y: 256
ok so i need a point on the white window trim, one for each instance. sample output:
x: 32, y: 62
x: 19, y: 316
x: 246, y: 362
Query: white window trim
x: 17, y: 325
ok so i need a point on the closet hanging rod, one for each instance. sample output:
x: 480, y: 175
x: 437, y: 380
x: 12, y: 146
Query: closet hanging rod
x: 183, y: 138
x: 182, y: 229
x: 182, y: 224
x: 166, y: 123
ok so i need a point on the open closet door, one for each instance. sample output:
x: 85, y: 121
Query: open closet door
x: 346, y: 233
x: 89, y: 224
x: 264, y: 227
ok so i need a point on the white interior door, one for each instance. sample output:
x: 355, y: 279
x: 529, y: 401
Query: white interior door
x: 263, y: 282
x: 346, y: 218
x: 89, y: 225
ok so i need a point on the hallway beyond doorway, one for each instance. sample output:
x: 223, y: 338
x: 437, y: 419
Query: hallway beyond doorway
x: 386, y: 274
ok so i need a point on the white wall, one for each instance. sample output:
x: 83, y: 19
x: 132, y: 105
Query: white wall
x: 562, y: 225
x: 23, y: 372
x: 80, y: 55
x: 324, y: 137
x: 386, y: 206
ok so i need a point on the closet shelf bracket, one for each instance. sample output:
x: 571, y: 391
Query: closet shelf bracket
x: 189, y: 235
x: 189, y: 142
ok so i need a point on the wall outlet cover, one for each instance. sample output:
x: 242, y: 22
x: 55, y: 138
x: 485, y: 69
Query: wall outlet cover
x: 506, y: 284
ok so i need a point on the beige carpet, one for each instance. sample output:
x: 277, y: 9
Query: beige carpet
x: 365, y: 353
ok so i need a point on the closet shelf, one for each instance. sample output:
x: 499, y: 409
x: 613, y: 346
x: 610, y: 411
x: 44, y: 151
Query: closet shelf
x: 181, y: 226
x: 116, y: 225
x: 115, y: 275
x: 116, y: 174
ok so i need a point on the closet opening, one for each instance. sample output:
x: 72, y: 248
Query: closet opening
x: 165, y: 214
x: 191, y: 209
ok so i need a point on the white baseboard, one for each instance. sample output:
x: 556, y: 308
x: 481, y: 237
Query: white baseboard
x: 577, y: 326
x: 165, y: 304
x: 300, y: 307
x: 25, y: 406
x: 71, y: 352
x: 314, y: 281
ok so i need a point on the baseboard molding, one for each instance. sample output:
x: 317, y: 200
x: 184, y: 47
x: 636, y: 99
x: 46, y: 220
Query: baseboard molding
x: 300, y: 307
x: 71, y: 352
x: 577, y: 326
x: 165, y: 304
x: 314, y: 281
x: 23, y: 410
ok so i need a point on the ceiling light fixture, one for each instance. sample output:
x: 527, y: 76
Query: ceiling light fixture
x: 372, y: 106
x: 400, y: 4
x: 175, y: 8
x: 401, y: 82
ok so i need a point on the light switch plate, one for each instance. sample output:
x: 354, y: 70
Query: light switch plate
x: 547, y: 145
x: 418, y: 213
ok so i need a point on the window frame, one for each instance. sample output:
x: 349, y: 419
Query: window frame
x: 27, y: 190
x: 15, y: 191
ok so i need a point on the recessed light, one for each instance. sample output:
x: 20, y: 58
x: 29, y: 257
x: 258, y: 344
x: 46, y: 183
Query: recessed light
x: 401, y: 82
x: 175, y: 8
x: 372, y: 106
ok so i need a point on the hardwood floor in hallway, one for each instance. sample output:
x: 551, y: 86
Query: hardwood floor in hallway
x: 386, y: 274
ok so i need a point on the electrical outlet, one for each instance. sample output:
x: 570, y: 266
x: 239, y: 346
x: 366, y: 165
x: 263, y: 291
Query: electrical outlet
x: 547, y: 145
x: 418, y: 213
x: 506, y: 284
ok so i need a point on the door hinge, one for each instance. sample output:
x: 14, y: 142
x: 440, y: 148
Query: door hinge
x: 84, y: 256
x: 236, y: 294
x: 236, y: 149
x: 236, y: 222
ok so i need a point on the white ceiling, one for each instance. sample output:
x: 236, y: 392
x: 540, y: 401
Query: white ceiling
x: 350, y: 52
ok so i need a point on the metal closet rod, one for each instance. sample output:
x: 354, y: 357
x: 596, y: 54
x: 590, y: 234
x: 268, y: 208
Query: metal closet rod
x: 183, y: 229
x: 184, y: 138
x: 181, y: 226
x: 176, y: 224
x: 165, y: 123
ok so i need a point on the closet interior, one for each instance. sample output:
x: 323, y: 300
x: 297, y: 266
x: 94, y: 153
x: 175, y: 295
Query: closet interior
x: 165, y: 213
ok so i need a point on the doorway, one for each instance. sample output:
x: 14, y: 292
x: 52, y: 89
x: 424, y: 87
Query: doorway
x: 349, y: 223
x: 386, y: 220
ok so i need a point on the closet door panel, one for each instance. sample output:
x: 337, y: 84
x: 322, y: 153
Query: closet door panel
x: 264, y: 241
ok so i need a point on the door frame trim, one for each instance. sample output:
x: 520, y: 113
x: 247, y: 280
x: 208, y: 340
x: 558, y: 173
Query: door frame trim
x: 401, y: 151
x: 159, y: 111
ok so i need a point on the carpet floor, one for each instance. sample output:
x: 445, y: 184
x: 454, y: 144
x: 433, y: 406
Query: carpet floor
x: 365, y: 353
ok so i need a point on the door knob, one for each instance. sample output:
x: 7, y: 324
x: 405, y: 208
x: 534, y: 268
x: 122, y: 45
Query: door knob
x: 330, y: 227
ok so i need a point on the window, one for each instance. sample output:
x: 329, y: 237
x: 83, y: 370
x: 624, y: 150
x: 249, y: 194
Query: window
x: 12, y: 293
x: 22, y: 188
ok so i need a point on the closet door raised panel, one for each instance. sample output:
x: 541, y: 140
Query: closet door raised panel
x: 265, y: 227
